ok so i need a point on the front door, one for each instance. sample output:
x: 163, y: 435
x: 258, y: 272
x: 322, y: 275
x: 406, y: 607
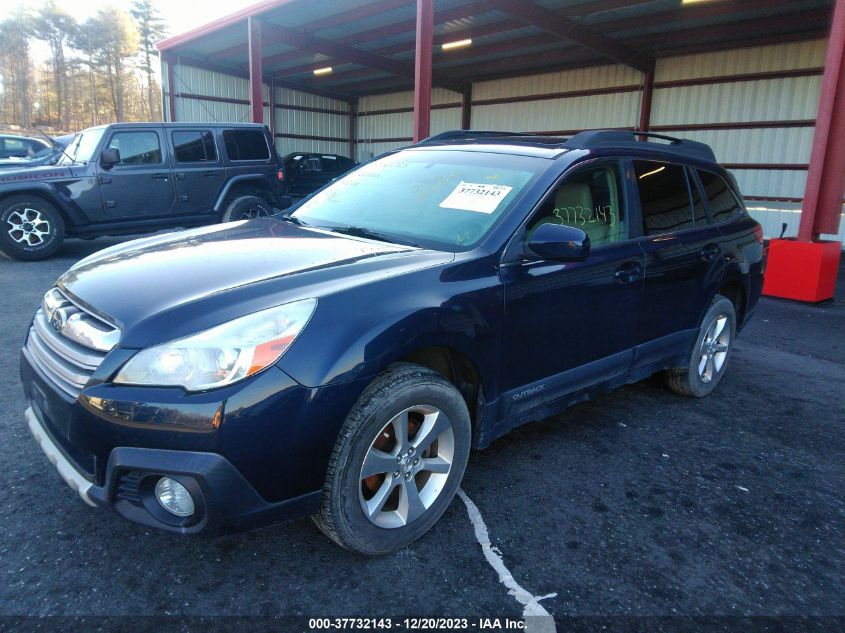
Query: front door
x: 141, y: 185
x: 569, y: 325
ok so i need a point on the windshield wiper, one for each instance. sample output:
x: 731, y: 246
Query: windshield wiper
x: 361, y: 231
x: 289, y: 218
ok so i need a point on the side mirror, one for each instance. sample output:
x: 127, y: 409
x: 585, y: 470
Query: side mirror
x: 110, y: 157
x: 559, y: 242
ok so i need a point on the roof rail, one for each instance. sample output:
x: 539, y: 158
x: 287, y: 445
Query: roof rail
x: 596, y: 139
x: 458, y: 135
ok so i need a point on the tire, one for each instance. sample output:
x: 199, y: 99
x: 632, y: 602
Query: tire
x: 710, y: 353
x: 30, y: 228
x: 246, y: 208
x: 422, y: 401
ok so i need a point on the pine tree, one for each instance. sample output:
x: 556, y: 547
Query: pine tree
x: 151, y: 28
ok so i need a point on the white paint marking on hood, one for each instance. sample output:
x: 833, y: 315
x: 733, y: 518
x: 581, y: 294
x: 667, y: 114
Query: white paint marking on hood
x: 537, y: 619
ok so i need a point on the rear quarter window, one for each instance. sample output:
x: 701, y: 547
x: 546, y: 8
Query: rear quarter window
x: 246, y: 145
x: 664, y: 197
x: 724, y: 205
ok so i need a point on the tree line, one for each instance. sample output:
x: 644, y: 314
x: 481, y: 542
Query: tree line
x: 99, y: 71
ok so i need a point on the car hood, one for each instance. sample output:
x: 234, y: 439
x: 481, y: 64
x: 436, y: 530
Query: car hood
x: 185, y: 281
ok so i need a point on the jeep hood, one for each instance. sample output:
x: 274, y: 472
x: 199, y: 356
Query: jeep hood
x: 169, y: 285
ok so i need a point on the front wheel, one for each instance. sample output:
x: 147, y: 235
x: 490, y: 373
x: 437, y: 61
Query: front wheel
x: 710, y: 353
x: 398, y: 461
x: 30, y: 228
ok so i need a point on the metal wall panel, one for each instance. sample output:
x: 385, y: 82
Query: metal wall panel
x: 790, y: 56
x: 620, y: 109
x: 766, y: 100
x: 772, y: 216
x: 285, y: 146
x: 581, y: 79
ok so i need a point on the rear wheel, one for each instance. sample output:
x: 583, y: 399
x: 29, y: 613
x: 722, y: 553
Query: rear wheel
x: 710, y: 354
x: 398, y: 461
x: 30, y: 228
x: 246, y: 208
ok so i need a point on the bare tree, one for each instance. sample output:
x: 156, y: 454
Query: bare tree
x: 54, y: 26
x: 117, y: 41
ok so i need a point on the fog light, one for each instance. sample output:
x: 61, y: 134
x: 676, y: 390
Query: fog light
x: 174, y: 497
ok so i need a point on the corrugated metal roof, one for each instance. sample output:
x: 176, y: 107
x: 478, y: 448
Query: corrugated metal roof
x: 386, y: 28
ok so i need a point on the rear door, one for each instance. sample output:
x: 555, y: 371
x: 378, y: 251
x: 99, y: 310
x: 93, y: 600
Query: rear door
x: 682, y: 253
x: 141, y: 185
x: 197, y: 169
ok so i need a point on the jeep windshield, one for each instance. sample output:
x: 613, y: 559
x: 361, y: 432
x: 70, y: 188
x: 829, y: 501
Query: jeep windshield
x: 442, y: 199
x: 81, y: 149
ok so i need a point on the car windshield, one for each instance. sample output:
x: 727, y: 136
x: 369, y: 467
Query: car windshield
x: 81, y: 148
x: 441, y: 199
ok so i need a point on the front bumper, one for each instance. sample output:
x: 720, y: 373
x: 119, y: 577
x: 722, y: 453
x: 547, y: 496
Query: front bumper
x: 224, y: 500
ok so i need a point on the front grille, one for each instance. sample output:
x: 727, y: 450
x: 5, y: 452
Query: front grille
x: 66, y: 361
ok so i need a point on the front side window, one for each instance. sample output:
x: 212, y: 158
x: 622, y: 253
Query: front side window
x: 589, y: 199
x: 194, y: 146
x: 438, y: 198
x: 137, y: 148
x: 664, y: 197
x: 723, y: 205
x: 246, y: 145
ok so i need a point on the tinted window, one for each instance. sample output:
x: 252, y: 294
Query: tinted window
x: 698, y: 208
x: 246, y: 145
x: 331, y: 165
x: 664, y: 197
x: 194, y: 146
x: 723, y: 205
x: 137, y: 148
x: 589, y: 199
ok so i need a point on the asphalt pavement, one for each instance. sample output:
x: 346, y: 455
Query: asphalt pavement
x: 642, y: 503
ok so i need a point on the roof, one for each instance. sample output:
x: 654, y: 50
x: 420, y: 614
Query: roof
x: 370, y: 43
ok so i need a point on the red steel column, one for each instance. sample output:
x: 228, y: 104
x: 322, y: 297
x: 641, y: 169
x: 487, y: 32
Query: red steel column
x: 273, y: 109
x: 353, y: 128
x: 645, y: 105
x: 826, y: 175
x: 256, y: 90
x: 466, y: 110
x: 422, y: 69
x: 171, y: 89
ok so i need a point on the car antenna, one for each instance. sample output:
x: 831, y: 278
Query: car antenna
x: 55, y: 145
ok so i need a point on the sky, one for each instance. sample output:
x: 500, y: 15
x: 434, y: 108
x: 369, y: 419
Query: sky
x: 180, y: 15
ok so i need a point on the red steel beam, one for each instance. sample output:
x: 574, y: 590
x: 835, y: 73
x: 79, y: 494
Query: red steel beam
x: 826, y: 176
x: 171, y: 89
x: 256, y: 81
x: 422, y: 70
x: 645, y: 104
x: 353, y: 128
x: 466, y: 110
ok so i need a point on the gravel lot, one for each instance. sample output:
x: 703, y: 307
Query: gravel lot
x: 640, y: 504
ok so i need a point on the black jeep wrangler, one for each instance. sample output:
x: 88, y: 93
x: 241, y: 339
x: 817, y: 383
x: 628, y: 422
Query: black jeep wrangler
x: 139, y: 177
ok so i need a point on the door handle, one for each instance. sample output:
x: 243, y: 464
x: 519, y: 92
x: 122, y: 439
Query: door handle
x: 105, y: 180
x: 211, y: 174
x: 628, y: 273
x: 179, y: 176
x: 160, y: 176
x: 710, y: 252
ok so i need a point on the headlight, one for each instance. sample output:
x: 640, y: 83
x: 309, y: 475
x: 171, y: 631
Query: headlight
x: 222, y: 355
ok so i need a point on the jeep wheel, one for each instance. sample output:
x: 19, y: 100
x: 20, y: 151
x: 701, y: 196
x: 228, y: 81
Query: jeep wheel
x: 30, y: 228
x: 398, y: 461
x: 710, y: 353
x: 246, y: 208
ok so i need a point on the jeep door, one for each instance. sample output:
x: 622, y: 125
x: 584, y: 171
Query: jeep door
x: 197, y: 169
x: 572, y: 324
x: 141, y: 184
x: 683, y: 255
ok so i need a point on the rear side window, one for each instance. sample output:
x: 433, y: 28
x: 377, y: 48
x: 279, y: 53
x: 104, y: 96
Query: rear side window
x: 246, y: 145
x: 137, y: 148
x: 194, y: 146
x: 664, y: 197
x: 723, y: 204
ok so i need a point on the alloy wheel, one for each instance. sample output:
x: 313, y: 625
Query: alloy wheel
x: 28, y: 226
x: 406, y: 466
x: 714, y: 348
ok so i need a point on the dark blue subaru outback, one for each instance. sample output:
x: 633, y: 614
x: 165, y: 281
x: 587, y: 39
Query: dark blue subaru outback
x: 341, y: 360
